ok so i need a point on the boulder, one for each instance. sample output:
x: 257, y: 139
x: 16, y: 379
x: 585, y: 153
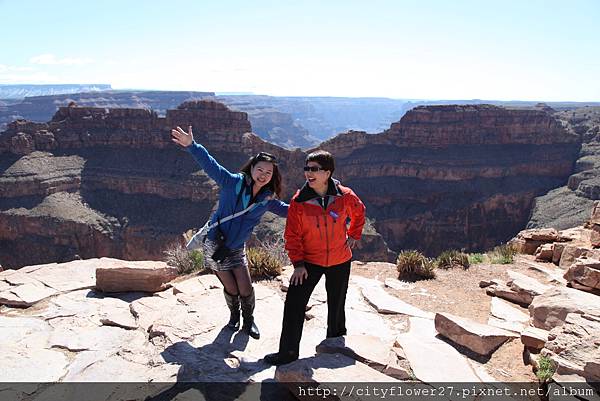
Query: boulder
x: 477, y: 337
x: 535, y: 338
x: 575, y: 346
x: 145, y: 276
x: 528, y: 241
x: 559, y: 247
x: 570, y: 254
x: 585, y: 272
x: 550, y: 309
x: 544, y: 253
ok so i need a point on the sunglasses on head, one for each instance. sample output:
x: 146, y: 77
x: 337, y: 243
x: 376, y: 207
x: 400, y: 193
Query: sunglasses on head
x: 314, y: 169
x: 265, y: 157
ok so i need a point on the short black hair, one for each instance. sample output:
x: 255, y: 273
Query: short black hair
x: 324, y: 158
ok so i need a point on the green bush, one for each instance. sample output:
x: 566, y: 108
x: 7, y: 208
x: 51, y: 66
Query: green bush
x: 185, y: 261
x: 452, y: 258
x: 262, y: 263
x: 476, y: 258
x: 503, y: 254
x: 545, y: 369
x: 413, y: 263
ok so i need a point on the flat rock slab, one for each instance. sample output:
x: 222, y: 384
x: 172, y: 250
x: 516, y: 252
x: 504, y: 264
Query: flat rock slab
x: 398, y: 284
x: 120, y: 318
x: 522, y: 283
x: 210, y: 281
x: 145, y: 276
x: 480, y: 338
x: 327, y: 368
x: 26, y: 295
x: 87, y: 306
x: 422, y: 347
x: 505, y: 311
x: 554, y: 274
x: 516, y: 327
x: 94, y: 338
x: 193, y: 286
x: 32, y: 365
x: 550, y: 309
x: 18, y: 332
x: 388, y: 304
x: 71, y: 276
x: 369, y: 350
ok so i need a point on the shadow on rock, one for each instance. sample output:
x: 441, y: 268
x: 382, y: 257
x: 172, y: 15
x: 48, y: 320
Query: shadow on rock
x: 211, y: 373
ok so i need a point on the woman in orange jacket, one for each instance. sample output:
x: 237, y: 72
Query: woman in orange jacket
x: 318, y: 242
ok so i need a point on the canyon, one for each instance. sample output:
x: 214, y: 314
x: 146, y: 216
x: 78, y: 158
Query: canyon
x: 96, y: 182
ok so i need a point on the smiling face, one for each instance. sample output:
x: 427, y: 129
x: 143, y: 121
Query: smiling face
x: 317, y: 180
x: 262, y: 172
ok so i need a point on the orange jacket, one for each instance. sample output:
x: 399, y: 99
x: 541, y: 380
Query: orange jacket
x: 317, y: 235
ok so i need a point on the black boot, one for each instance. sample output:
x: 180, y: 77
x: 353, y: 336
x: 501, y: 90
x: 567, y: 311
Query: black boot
x: 233, y: 302
x: 280, y: 358
x: 249, y: 326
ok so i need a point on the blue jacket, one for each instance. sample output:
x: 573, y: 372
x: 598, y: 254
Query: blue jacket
x: 238, y: 230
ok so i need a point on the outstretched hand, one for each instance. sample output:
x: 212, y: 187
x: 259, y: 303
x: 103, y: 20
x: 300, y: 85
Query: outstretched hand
x: 182, y: 138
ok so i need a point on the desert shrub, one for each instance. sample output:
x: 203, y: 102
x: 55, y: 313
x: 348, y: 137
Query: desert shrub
x: 545, y: 369
x: 503, y: 254
x: 452, y: 258
x: 185, y: 261
x: 262, y: 263
x: 476, y: 258
x: 412, y: 264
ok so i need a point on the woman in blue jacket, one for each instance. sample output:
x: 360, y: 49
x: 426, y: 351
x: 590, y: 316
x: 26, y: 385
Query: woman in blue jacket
x: 258, y: 186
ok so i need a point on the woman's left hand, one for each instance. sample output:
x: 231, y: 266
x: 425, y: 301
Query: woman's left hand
x: 300, y: 274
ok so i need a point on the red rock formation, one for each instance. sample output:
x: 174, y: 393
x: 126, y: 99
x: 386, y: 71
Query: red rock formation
x: 455, y: 176
x: 109, y: 182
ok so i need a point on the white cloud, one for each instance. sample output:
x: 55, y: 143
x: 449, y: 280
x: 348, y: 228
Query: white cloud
x: 51, y: 59
x: 33, y: 78
x: 11, y: 68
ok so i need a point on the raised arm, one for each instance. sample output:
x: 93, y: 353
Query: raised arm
x: 220, y: 174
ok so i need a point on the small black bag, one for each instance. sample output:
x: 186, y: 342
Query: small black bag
x: 221, y: 251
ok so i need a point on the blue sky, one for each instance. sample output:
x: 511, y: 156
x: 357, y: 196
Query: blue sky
x: 502, y: 50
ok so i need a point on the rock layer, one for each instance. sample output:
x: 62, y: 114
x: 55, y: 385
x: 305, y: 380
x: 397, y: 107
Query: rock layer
x: 98, y: 182
x: 455, y: 176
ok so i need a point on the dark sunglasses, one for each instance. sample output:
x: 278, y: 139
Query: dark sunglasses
x: 313, y: 168
x: 265, y: 157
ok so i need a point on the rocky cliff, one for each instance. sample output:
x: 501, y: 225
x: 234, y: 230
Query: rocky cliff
x: 270, y: 124
x: 455, y: 176
x: 568, y: 205
x: 108, y: 182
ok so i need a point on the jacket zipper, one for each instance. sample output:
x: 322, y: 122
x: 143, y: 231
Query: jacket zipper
x: 319, y: 228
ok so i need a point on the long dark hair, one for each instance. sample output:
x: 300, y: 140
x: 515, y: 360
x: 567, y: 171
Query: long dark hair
x: 275, y: 184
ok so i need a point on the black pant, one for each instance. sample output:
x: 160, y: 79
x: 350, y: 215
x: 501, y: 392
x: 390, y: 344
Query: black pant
x: 336, y: 284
